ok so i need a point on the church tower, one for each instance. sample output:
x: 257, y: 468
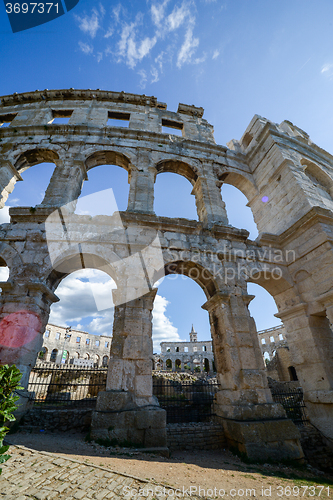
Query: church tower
x: 193, y: 335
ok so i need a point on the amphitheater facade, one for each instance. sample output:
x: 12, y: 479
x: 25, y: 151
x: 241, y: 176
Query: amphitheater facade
x: 288, y: 182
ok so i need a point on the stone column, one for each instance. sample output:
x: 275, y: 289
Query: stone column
x: 310, y: 341
x: 24, y: 313
x: 8, y: 177
x: 127, y: 410
x: 252, y: 422
x: 210, y: 206
x: 66, y: 184
x: 142, y: 179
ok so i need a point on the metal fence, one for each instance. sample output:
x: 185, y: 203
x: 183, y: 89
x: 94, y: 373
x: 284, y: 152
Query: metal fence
x: 186, y: 401
x: 58, y: 387
x: 293, y: 403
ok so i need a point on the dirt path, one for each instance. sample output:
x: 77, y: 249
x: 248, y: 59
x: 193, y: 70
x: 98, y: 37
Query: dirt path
x: 218, y: 473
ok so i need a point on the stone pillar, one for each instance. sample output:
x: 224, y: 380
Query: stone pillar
x: 8, y: 177
x: 252, y: 422
x: 310, y: 341
x: 66, y: 184
x: 127, y: 411
x: 24, y: 313
x: 210, y: 206
x: 142, y: 179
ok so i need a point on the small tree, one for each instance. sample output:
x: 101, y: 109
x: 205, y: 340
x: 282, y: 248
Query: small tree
x: 10, y: 377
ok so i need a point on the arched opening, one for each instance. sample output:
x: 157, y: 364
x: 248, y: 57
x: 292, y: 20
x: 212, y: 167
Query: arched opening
x: 96, y: 361
x: 263, y: 308
x: 178, y: 305
x: 4, y: 271
x: 42, y: 355
x: 206, y: 365
x: 178, y: 364
x: 54, y: 355
x: 292, y: 373
x: 105, y: 192
x: 168, y: 364
x: 239, y: 214
x: 105, y: 361
x: 85, y: 304
x: 31, y: 191
x: 87, y: 356
x: 172, y: 193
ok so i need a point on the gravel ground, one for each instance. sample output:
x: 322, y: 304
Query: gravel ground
x: 205, y: 469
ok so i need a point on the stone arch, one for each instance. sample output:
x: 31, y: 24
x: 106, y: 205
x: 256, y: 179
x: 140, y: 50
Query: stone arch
x: 9, y: 257
x: 319, y: 178
x: 87, y: 356
x: 245, y: 183
x: 195, y: 271
x: 105, y: 361
x: 178, y: 364
x: 72, y: 261
x: 206, y: 365
x: 190, y: 172
x: 108, y: 157
x: 168, y: 364
x: 35, y: 156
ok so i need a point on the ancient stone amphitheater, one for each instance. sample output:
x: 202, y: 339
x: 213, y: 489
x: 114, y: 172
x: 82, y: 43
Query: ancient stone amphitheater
x: 288, y: 182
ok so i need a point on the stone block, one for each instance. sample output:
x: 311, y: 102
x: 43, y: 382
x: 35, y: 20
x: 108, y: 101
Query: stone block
x: 112, y: 400
x: 151, y: 419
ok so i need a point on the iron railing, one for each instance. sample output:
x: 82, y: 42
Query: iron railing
x: 293, y: 403
x: 52, y: 387
x: 186, y: 401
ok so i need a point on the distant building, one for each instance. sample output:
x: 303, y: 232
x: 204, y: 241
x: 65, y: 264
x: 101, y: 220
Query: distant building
x: 62, y: 345
x: 178, y: 355
x: 194, y: 354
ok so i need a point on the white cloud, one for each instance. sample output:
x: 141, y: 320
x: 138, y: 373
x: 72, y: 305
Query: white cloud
x: 154, y: 74
x: 99, y: 56
x: 158, y: 11
x: 90, y: 24
x: 143, y: 79
x: 163, y: 329
x: 85, y: 293
x: 178, y: 16
x: 188, y: 48
x: 109, y: 32
x: 327, y: 68
x: 86, y: 48
x: 216, y: 54
x: 4, y: 215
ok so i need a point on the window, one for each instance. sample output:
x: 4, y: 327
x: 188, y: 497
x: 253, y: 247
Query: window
x: 280, y: 336
x: 87, y: 341
x: 263, y: 341
x: 5, y: 120
x: 97, y: 343
x: 61, y: 116
x: 78, y: 340
x: 204, y: 348
x: 57, y: 336
x: 177, y: 349
x: 47, y: 333
x: 116, y: 119
x: 168, y: 349
x: 272, y: 339
x: 172, y: 127
x: 185, y: 349
x: 106, y: 344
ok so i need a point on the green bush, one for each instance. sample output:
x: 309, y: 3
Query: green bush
x: 10, y: 377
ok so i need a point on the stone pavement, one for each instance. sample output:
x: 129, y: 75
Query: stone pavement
x: 37, y: 475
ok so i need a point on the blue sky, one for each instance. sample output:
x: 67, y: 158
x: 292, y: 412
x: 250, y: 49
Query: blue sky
x: 235, y: 58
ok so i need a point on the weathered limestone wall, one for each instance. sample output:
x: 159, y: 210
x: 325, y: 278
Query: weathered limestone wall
x: 288, y: 181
